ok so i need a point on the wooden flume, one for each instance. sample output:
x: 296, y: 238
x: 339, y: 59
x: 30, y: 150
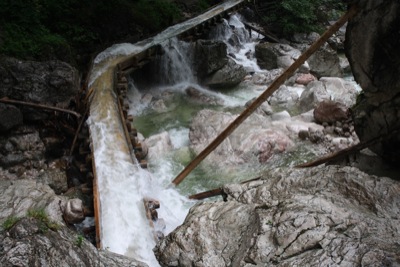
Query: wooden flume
x: 263, y: 97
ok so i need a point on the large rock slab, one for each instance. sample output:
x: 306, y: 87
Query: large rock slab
x: 324, y: 216
x: 48, y: 82
x: 243, y: 145
x: 230, y: 75
x: 210, y: 56
x: 30, y: 242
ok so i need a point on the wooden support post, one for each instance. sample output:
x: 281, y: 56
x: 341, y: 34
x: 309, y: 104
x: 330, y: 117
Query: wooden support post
x: 267, y: 93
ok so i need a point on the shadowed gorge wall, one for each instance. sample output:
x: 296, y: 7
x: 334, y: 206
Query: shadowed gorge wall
x: 372, y: 46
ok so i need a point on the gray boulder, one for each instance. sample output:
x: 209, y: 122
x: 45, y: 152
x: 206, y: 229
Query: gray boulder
x: 229, y: 76
x: 328, y: 88
x: 324, y: 216
x: 31, y: 242
x: 49, y: 82
x: 314, y: 94
x: 272, y: 56
x: 284, y: 98
x: 210, y: 56
x: 325, y: 63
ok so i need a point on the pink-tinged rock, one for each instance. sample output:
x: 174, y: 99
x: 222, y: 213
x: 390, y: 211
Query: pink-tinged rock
x: 330, y: 111
x: 305, y: 79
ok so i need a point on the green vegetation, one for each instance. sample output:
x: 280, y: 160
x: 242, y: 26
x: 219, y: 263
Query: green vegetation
x: 290, y: 16
x: 75, y: 30
x: 9, y: 222
x: 39, y: 214
x: 79, y: 240
x: 45, y: 223
x: 156, y: 14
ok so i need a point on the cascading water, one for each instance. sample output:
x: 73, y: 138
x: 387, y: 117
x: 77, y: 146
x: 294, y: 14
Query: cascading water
x: 121, y: 183
x: 162, y: 108
x: 239, y: 42
x: 175, y: 75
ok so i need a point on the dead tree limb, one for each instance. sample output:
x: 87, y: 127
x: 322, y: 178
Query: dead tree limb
x: 77, y: 132
x: 216, y: 191
x: 207, y: 194
x: 264, y: 96
x: 347, y: 151
x: 39, y: 106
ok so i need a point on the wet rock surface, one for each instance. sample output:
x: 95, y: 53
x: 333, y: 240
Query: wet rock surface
x: 228, y: 76
x: 52, y: 83
x: 321, y: 216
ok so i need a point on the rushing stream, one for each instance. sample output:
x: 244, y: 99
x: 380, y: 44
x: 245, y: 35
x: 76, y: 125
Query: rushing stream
x: 176, y: 75
x: 161, y: 108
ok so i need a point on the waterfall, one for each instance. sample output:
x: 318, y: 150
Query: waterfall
x: 175, y: 66
x: 241, y: 45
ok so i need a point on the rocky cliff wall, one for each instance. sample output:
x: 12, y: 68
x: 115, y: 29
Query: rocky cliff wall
x: 372, y: 47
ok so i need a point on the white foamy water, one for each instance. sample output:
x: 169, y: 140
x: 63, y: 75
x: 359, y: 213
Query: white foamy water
x: 121, y: 183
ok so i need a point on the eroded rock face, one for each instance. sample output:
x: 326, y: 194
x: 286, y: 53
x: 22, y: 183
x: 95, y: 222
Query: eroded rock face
x: 44, y: 82
x: 30, y: 242
x: 230, y: 75
x: 372, y: 42
x: 10, y: 117
x: 210, y: 56
x: 324, y: 216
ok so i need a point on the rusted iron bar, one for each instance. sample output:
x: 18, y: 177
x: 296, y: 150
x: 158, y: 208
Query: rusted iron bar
x: 39, y: 106
x: 263, y: 97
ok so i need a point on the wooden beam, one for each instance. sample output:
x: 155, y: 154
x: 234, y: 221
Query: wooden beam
x: 263, y: 97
